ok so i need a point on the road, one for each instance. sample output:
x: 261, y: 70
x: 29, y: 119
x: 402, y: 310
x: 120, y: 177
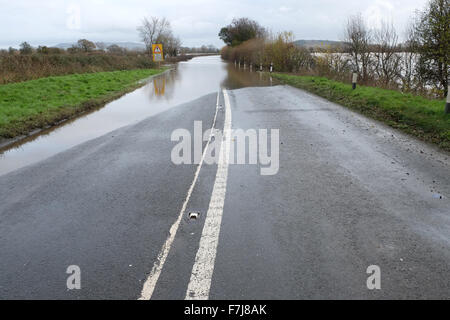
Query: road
x: 349, y: 193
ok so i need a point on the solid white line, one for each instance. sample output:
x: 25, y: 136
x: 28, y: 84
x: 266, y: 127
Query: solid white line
x: 202, y: 271
x: 150, y: 283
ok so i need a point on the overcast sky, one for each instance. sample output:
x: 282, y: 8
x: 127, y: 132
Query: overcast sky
x: 196, y: 22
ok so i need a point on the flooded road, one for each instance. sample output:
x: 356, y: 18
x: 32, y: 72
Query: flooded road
x: 345, y: 193
x: 186, y: 82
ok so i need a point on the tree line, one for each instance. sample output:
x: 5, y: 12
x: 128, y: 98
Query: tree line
x: 153, y: 30
x: 82, y: 46
x: 420, y: 64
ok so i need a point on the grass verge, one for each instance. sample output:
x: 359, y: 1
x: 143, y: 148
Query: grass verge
x: 35, y: 104
x: 17, y: 68
x: 412, y: 114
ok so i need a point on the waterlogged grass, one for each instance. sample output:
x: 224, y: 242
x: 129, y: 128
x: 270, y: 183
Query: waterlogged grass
x: 413, y: 114
x: 34, y: 104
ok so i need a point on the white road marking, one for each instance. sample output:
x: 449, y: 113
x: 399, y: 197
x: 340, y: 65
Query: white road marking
x: 202, y: 271
x: 150, y: 283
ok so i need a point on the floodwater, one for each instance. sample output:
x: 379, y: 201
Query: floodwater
x: 188, y: 81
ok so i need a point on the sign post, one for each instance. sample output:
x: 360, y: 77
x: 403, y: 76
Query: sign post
x: 354, y: 79
x: 447, y: 105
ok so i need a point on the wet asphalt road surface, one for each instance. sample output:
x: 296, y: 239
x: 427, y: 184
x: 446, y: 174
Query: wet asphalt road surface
x: 349, y: 193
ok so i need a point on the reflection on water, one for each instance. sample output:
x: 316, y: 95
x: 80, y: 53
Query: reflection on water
x: 188, y: 81
x: 238, y: 77
x: 160, y: 86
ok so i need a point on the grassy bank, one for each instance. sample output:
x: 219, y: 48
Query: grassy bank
x: 34, y: 104
x: 415, y: 115
x: 16, y: 68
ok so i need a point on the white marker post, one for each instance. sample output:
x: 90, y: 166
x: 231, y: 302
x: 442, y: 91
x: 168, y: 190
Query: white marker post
x: 235, y: 63
x: 251, y: 67
x: 245, y: 66
x: 239, y: 64
x: 447, y: 104
x: 354, y: 79
x: 271, y: 67
x: 260, y: 67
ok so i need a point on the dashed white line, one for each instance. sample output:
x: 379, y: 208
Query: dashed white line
x: 152, y: 279
x: 202, y: 271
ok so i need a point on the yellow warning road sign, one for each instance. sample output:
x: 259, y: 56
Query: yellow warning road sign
x: 157, y: 52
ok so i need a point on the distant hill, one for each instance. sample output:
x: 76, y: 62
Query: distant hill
x: 317, y: 43
x: 126, y: 45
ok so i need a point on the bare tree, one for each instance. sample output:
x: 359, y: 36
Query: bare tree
x: 387, y: 59
x: 358, y: 38
x: 335, y: 62
x: 410, y: 79
x: 171, y: 44
x: 153, y: 29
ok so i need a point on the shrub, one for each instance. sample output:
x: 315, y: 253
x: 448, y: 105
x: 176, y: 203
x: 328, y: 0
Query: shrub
x: 280, y: 51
